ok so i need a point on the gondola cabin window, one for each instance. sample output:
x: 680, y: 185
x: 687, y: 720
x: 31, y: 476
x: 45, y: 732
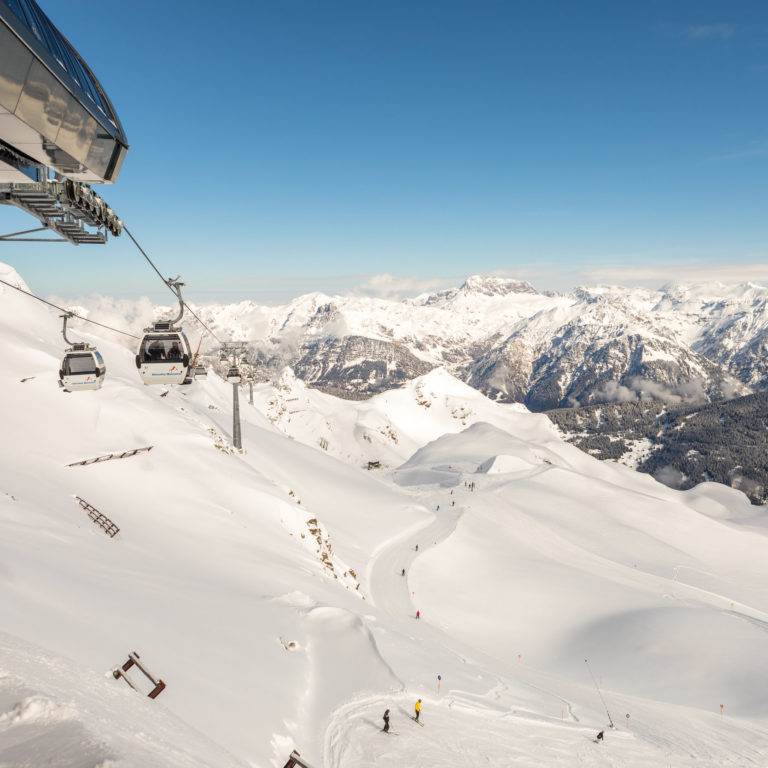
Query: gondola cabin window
x: 161, y: 348
x: 79, y: 364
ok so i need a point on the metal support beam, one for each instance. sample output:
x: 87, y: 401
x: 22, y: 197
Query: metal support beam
x: 14, y: 237
x: 236, y: 437
x: 65, y: 207
x: 235, y: 350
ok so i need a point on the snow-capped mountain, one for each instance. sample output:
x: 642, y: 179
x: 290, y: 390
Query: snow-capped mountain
x: 598, y: 349
x: 602, y: 344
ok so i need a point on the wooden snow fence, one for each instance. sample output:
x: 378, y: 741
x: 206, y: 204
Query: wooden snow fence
x: 101, y: 520
x: 110, y: 456
x: 133, y: 659
x: 296, y: 760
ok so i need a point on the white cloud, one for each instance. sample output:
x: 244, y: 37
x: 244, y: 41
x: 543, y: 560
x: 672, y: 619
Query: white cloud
x: 613, y: 392
x: 758, y: 150
x: 386, y: 286
x: 669, y: 476
x: 498, y: 379
x: 337, y: 328
x: 649, y: 270
x: 655, y: 275
x: 124, y: 315
x: 730, y: 388
x: 639, y: 388
x: 686, y: 392
x: 705, y: 31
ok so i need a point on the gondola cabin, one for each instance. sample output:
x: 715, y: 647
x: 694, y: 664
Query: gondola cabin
x: 201, y: 372
x: 82, y: 367
x: 163, y: 355
x: 233, y: 375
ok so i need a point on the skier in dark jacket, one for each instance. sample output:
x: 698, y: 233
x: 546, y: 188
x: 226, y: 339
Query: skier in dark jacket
x: 600, y: 736
x: 386, y: 722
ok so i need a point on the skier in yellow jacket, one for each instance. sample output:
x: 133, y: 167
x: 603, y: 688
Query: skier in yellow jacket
x: 418, y: 709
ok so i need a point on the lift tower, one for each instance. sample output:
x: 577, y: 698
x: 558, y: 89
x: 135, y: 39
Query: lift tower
x: 234, y: 352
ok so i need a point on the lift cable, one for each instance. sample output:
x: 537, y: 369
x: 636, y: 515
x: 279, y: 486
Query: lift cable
x: 73, y: 314
x: 160, y: 275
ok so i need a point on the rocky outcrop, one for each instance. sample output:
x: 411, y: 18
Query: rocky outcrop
x: 356, y: 364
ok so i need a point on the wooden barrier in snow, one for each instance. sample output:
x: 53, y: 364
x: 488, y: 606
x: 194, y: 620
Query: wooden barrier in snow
x: 110, y: 456
x: 133, y: 659
x: 101, y: 520
x: 296, y: 760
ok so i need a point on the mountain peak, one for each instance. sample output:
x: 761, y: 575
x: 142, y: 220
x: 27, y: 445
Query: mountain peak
x: 488, y: 285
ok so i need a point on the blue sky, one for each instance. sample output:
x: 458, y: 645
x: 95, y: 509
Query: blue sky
x: 386, y: 147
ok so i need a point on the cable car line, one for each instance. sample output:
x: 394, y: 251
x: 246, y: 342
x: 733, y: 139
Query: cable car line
x: 168, y: 283
x: 61, y: 309
x: 143, y: 253
x: 163, y: 356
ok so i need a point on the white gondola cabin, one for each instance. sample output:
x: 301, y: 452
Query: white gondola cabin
x: 201, y: 372
x: 163, y: 355
x: 233, y: 375
x: 82, y: 367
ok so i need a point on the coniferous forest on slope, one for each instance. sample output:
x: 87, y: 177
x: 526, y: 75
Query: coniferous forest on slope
x: 724, y: 442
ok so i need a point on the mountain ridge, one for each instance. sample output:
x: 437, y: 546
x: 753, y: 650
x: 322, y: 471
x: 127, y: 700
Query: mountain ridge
x: 702, y: 342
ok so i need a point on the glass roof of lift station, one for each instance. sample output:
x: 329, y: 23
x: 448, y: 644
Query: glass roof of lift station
x: 65, y: 55
x: 30, y: 36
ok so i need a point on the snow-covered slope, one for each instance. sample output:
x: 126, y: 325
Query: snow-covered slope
x: 55, y: 712
x: 386, y: 428
x: 265, y: 588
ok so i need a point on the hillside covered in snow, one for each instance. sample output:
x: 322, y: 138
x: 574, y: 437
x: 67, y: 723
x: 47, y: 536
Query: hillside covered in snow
x: 265, y: 587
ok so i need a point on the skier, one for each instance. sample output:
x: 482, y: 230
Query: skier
x: 599, y: 736
x: 418, y: 616
x: 386, y: 722
x: 418, y: 710
x: 417, y: 547
x: 403, y: 572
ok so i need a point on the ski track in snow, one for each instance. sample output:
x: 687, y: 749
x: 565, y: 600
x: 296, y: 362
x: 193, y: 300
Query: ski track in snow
x: 390, y: 593
x: 475, y: 731
x: 389, y: 589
